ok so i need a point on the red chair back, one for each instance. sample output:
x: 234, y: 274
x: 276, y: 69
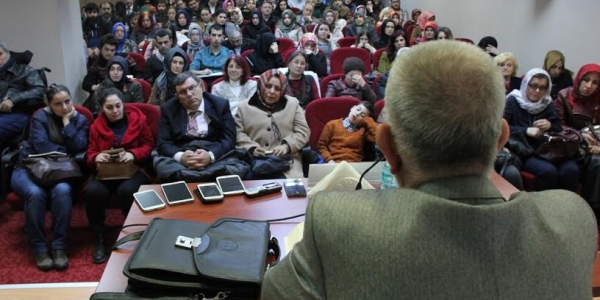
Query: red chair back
x: 311, y: 27
x: 340, y: 54
x: 286, y: 55
x: 320, y: 111
x: 285, y: 44
x: 346, y: 41
x: 146, y: 88
x: 152, y: 114
x: 215, y: 83
x: 465, y: 40
x: 377, y: 57
x: 379, y: 105
x: 247, y: 52
x: 375, y: 82
x: 409, y: 30
x: 139, y: 60
x: 378, y: 30
x: 295, y: 10
x: 327, y: 79
x: 85, y: 112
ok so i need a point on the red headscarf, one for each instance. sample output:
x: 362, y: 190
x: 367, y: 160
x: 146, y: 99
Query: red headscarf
x: 574, y: 95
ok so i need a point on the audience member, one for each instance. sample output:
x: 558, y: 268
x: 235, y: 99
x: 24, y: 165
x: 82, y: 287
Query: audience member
x: 444, y: 33
x: 414, y: 18
x: 92, y: 32
x: 106, y: 18
x: 306, y: 18
x: 315, y: 60
x: 363, y: 40
x: 154, y: 65
x: 248, y: 8
x: 115, y: 127
x: 161, y: 16
x: 97, y: 70
x: 22, y: 93
x: 237, y: 43
x: 145, y: 29
x: 58, y: 127
x: 273, y: 121
x: 193, y: 10
x: 287, y: 27
x: 325, y: 42
x: 300, y: 86
x: 256, y: 26
x: 281, y: 6
x: 382, y: 83
x: 353, y: 83
x: 195, y: 130
x: 388, y: 27
x: 562, y: 78
x: 131, y: 90
x: 422, y: 20
x: 266, y: 56
x: 267, y: 14
x: 508, y: 65
x: 344, y: 139
x: 183, y: 20
x: 388, y: 56
x: 204, y: 21
x: 175, y: 63
x: 212, y: 58
x: 577, y: 107
x: 530, y: 111
x: 358, y: 26
x: 236, y: 18
x: 236, y: 86
x: 429, y: 33
x: 370, y: 10
x: 489, y: 44
x: 336, y: 25
x: 195, y: 43
x: 448, y: 211
x: 124, y: 45
x: 213, y: 6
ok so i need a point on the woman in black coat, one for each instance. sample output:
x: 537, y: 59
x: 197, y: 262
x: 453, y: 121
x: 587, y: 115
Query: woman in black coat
x: 266, y: 56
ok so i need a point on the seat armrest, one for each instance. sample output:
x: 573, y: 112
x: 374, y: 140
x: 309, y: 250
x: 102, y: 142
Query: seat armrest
x: 80, y: 157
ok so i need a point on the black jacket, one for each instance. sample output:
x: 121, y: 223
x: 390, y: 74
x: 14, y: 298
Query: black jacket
x: 25, y: 88
x: 153, y: 69
x: 247, y: 44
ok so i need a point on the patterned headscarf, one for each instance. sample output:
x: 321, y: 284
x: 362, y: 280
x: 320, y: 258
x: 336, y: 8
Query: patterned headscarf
x: 424, y: 18
x: 264, y: 79
x: 307, y: 37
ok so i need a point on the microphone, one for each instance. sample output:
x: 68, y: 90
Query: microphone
x: 359, y: 185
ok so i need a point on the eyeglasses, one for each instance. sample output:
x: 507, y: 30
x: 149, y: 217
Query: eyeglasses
x: 186, y: 91
x: 534, y: 87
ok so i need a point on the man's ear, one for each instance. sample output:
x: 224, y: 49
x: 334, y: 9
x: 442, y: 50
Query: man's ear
x: 504, y: 134
x: 385, y: 141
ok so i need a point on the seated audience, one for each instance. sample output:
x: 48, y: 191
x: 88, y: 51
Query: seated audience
x: 562, y: 78
x: 154, y: 65
x: 353, y: 83
x: 115, y: 127
x: 336, y: 25
x: 248, y: 8
x: 300, y: 86
x: 448, y: 213
x: 359, y: 26
x: 364, y: 41
x: 195, y: 42
x: 21, y: 94
x: 212, y: 58
x: 236, y: 86
x: 508, y: 65
x: 281, y: 6
x: 388, y: 27
x: 130, y: 89
x: 124, y: 45
x: 266, y: 56
x: 382, y: 83
x: 429, y: 33
x: 387, y: 57
x: 531, y: 112
x: 325, y: 42
x: 444, y: 33
x: 183, y: 20
x: 344, y: 139
x: 220, y: 17
x: 316, y: 61
x: 273, y: 121
x: 237, y: 43
x: 287, y: 27
x: 58, y: 127
x: 236, y: 18
x: 363, y: 10
x: 489, y: 44
x: 414, y: 16
x: 370, y: 11
x: 577, y: 107
x: 204, y: 21
x: 256, y: 26
x: 92, y: 31
x: 342, y: 11
x: 145, y: 29
x: 195, y: 130
x: 175, y: 63
x: 161, y: 16
x: 97, y: 70
x: 427, y: 16
x: 267, y: 14
x: 306, y: 18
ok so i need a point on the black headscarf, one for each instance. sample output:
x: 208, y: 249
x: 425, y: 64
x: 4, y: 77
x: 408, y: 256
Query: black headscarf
x: 261, y: 59
x: 121, y: 62
x: 255, y: 30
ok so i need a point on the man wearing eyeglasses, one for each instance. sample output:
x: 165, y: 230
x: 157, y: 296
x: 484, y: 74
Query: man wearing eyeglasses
x: 195, y: 130
x: 448, y: 232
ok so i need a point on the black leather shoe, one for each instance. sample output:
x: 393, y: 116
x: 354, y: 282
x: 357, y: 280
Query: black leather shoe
x: 43, y: 262
x: 99, y: 254
x: 61, y: 261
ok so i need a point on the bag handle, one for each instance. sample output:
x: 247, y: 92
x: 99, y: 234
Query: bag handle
x: 275, y: 250
x: 136, y: 236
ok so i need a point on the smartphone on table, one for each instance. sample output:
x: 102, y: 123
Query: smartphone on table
x: 231, y: 185
x: 177, y: 193
x: 149, y: 200
x: 210, y: 193
x: 294, y: 188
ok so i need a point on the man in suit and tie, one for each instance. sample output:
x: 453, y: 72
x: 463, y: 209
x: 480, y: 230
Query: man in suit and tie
x: 447, y: 233
x: 195, y: 129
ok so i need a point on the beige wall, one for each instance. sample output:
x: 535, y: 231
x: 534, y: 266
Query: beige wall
x: 528, y: 28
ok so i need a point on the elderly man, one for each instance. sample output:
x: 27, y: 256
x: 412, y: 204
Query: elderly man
x: 196, y: 129
x: 237, y: 43
x: 447, y: 233
x: 21, y: 93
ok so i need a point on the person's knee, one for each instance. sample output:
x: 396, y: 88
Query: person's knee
x: 62, y: 190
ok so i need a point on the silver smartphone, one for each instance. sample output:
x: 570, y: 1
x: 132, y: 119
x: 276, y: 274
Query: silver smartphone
x: 230, y: 185
x: 177, y: 193
x: 210, y: 192
x: 149, y: 200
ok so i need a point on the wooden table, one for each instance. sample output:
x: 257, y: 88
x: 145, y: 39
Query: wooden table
x: 268, y: 207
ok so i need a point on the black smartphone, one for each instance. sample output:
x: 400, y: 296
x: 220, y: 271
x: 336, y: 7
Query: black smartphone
x: 294, y: 188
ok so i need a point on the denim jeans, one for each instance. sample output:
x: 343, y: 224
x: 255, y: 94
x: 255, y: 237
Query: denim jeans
x: 36, y: 199
x: 562, y: 175
x: 11, y: 127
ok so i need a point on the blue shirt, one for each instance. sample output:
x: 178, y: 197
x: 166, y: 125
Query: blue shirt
x: 206, y: 59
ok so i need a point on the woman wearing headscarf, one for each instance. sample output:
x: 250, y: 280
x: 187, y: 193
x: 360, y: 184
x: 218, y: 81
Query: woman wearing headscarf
x: 287, y: 27
x: 577, y: 107
x: 428, y: 33
x: 175, y: 63
x: 182, y: 21
x: 282, y: 5
x: 414, y: 17
x: 315, y: 60
x: 125, y: 45
x: 117, y: 70
x: 562, y: 78
x: 300, y: 86
x: 336, y: 26
x: 195, y: 43
x: 256, y: 25
x: 360, y: 25
x: 273, y: 121
x: 342, y: 10
x: 236, y: 17
x: 420, y: 27
x: 266, y: 56
x: 228, y: 6
x: 531, y: 112
x: 489, y: 44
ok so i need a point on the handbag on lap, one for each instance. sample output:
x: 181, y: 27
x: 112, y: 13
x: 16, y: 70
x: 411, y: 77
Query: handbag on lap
x: 178, y: 258
x: 49, y: 169
x: 114, y: 170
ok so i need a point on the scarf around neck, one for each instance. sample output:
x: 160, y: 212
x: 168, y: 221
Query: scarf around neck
x: 521, y: 95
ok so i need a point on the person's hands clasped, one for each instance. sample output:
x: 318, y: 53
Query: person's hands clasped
x: 197, y: 160
x: 6, y: 105
x: 281, y: 150
x: 543, y: 124
x: 102, y: 158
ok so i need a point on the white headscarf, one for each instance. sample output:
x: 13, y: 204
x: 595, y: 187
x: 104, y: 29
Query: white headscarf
x: 521, y: 95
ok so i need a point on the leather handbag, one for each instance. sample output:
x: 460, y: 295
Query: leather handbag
x: 227, y: 257
x: 560, y: 146
x: 114, y: 170
x: 49, y: 169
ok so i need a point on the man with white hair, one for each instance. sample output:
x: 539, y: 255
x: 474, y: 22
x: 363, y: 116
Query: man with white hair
x: 447, y: 233
x: 237, y: 43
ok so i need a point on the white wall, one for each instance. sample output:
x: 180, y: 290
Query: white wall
x: 51, y: 29
x: 528, y: 28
